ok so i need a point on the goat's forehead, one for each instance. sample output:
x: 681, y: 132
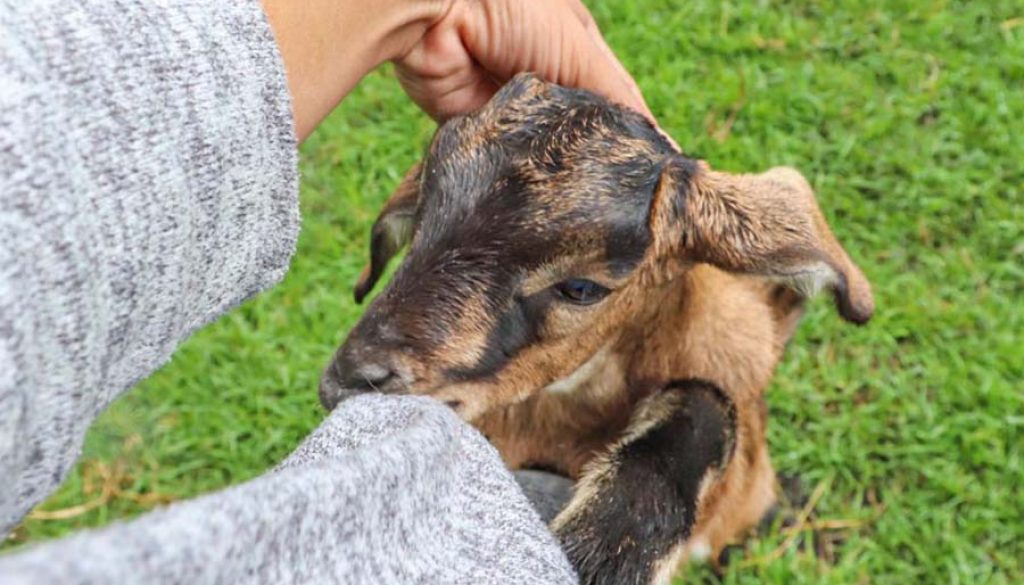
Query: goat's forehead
x: 530, y: 219
x: 566, y: 172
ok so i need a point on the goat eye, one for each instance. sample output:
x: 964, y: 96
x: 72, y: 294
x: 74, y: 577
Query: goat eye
x: 581, y: 291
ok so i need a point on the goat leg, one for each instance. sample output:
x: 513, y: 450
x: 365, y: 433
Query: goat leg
x: 635, y: 507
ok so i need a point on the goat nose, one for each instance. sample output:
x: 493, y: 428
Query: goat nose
x: 370, y: 377
x: 344, y: 379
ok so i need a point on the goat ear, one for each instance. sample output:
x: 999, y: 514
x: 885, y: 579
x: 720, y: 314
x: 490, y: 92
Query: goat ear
x: 767, y: 224
x: 391, y: 232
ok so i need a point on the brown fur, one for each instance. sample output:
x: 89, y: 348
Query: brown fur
x: 707, y: 275
x: 708, y: 324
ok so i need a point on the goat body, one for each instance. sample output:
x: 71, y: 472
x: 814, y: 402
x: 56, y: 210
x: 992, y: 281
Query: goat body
x: 598, y: 304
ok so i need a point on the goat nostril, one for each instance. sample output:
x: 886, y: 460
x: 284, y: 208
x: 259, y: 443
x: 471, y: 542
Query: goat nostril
x: 453, y: 404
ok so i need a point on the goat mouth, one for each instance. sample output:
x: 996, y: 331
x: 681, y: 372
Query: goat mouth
x: 331, y: 393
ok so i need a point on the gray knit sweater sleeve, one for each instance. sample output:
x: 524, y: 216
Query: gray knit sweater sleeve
x: 389, y: 490
x: 147, y: 183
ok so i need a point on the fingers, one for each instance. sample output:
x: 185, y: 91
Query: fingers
x: 443, y: 97
x: 441, y: 76
x: 630, y: 86
x: 480, y: 44
x: 590, y: 25
x: 560, y: 42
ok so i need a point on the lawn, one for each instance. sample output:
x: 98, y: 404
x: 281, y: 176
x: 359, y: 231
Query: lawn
x: 907, y: 118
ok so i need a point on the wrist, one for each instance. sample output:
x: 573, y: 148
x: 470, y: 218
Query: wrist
x: 329, y: 45
x: 405, y: 24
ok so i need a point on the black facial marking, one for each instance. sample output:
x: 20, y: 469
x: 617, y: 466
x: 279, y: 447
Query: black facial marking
x: 515, y: 329
x: 628, y: 233
x: 649, y: 503
x: 625, y: 250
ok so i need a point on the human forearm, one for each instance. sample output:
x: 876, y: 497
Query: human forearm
x: 329, y: 45
x: 389, y: 489
x: 148, y: 183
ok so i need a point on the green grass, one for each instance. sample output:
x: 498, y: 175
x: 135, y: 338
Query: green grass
x: 905, y: 115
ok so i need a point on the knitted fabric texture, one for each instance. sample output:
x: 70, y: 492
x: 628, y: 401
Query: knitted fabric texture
x: 387, y: 490
x: 148, y: 183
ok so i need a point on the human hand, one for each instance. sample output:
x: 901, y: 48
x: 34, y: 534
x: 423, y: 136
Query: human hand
x: 451, y: 55
x: 478, y: 45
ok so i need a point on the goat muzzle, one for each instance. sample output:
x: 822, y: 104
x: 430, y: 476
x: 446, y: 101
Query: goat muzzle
x: 346, y: 377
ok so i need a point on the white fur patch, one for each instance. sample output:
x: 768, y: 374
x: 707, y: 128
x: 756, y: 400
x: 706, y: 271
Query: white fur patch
x: 699, y: 550
x: 582, y: 375
x: 811, y: 279
x: 669, y: 565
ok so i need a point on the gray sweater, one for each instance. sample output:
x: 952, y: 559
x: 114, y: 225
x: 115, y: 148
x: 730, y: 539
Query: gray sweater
x: 387, y: 490
x: 148, y: 183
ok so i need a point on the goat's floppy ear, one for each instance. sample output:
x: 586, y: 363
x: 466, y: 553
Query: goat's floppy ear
x: 767, y: 224
x: 391, y: 232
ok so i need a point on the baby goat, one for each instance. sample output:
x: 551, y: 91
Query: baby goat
x: 598, y: 304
